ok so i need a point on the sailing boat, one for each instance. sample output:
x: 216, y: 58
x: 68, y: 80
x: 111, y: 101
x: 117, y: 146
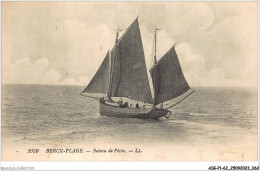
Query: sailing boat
x: 123, y: 74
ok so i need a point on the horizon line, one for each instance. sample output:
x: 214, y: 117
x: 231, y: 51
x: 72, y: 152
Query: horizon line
x: 86, y: 85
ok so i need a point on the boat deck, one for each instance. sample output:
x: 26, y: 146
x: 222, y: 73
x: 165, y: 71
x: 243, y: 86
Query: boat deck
x: 142, y: 113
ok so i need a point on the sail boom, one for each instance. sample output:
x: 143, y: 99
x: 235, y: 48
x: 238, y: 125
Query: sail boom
x: 180, y: 100
x: 92, y: 97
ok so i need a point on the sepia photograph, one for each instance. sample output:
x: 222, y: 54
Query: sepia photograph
x: 129, y: 81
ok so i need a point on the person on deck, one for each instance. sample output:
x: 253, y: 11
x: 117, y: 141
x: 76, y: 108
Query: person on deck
x: 137, y: 106
x: 125, y: 105
x: 102, y: 100
x: 120, y: 103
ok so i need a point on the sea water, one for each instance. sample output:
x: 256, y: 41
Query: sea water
x: 42, y: 115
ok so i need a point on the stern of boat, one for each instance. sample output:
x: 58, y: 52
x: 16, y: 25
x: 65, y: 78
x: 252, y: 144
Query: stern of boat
x: 156, y: 113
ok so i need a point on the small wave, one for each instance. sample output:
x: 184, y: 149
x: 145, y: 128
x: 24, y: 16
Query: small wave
x: 199, y: 114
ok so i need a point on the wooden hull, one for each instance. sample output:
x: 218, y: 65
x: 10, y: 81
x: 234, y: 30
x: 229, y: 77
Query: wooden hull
x: 149, y: 113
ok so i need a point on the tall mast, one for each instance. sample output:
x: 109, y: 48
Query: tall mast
x: 155, y: 61
x: 112, y: 65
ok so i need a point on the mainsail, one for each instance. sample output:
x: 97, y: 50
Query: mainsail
x: 168, y: 79
x: 129, y: 76
x: 99, y: 83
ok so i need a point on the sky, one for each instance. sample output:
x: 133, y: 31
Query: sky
x: 64, y: 43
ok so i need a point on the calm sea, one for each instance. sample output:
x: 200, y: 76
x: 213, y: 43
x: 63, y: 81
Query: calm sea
x: 43, y: 115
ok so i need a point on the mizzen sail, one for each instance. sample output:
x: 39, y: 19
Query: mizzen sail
x: 168, y: 79
x: 129, y: 77
x: 100, y: 81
